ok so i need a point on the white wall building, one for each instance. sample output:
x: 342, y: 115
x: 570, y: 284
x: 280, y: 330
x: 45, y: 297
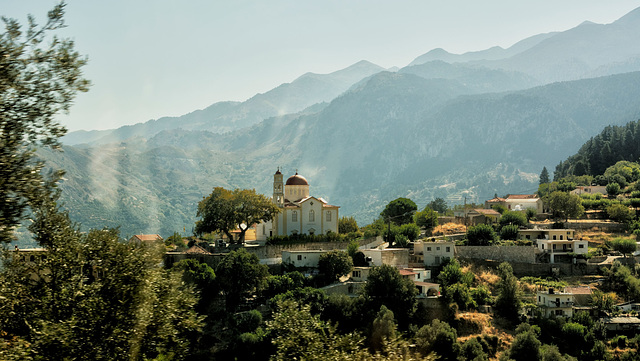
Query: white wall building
x: 555, y: 303
x: 435, y: 253
x: 300, y: 213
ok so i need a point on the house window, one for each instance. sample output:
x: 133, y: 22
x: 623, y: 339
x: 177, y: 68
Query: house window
x: 328, y: 216
x: 448, y: 249
x: 437, y: 248
x: 428, y: 249
x: 581, y: 246
x: 528, y: 236
x: 312, y: 216
x: 554, y: 237
x: 559, y: 312
x: 554, y: 246
x: 561, y: 237
x: 356, y: 274
x: 299, y: 257
x: 294, y: 216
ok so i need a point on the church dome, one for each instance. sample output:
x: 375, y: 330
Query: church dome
x: 297, y: 180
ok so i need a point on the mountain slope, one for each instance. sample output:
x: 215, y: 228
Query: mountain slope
x: 392, y: 135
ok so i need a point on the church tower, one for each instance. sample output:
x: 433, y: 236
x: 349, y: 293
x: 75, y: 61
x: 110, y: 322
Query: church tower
x: 278, y: 189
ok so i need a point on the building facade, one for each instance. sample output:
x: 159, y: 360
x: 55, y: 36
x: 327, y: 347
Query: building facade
x: 300, y: 213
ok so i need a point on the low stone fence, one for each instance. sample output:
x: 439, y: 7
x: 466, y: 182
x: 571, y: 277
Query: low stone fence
x: 581, y: 226
x: 275, y: 251
x: 543, y: 269
x: 524, y: 254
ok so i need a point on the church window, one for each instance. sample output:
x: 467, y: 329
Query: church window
x: 294, y: 216
x: 328, y: 216
x: 312, y: 216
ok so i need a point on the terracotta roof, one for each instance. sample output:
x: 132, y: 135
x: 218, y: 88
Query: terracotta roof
x: 487, y: 212
x: 522, y: 196
x: 195, y: 249
x: 147, y: 237
x: 297, y: 180
x: 404, y: 272
x: 578, y: 290
x: 496, y: 199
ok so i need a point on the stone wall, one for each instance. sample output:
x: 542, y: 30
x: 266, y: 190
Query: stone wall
x: 524, y: 254
x: 542, y: 269
x: 275, y: 251
x: 581, y: 226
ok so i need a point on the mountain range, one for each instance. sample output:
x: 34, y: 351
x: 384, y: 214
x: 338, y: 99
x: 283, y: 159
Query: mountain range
x: 454, y: 126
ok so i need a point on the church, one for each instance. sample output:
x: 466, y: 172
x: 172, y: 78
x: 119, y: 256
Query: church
x: 300, y: 213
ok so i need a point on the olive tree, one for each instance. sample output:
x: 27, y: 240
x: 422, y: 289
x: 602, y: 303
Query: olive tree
x: 38, y: 81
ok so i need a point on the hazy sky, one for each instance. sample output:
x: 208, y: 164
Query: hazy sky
x: 149, y: 59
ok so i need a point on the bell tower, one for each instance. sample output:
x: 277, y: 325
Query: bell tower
x: 278, y: 189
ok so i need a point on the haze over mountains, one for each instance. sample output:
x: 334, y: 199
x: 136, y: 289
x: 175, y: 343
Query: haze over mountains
x: 447, y: 125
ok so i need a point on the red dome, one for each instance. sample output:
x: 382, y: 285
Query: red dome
x: 297, y: 180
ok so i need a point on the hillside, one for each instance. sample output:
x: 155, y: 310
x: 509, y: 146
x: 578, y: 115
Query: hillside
x: 393, y: 134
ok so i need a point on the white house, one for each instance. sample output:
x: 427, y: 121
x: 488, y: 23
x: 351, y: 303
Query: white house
x: 435, y: 253
x: 302, y: 258
x: 552, y: 302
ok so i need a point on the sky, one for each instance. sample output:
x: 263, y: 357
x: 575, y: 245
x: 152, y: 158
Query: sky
x: 149, y: 59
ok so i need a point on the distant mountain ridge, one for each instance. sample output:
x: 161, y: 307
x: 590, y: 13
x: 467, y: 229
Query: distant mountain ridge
x: 222, y: 117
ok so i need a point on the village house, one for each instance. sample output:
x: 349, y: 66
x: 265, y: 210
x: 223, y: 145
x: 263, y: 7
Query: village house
x: 554, y: 303
x: 555, y: 242
x: 517, y: 202
x: 396, y: 257
x: 435, y: 253
x: 302, y: 258
x: 145, y: 238
x: 589, y: 190
x: 194, y: 252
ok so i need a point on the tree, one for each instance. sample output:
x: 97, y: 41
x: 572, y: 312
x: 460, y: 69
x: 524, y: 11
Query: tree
x: 335, y: 264
x: 347, y: 225
x: 440, y: 338
x: 240, y: 275
x: 37, y: 82
x: 619, y: 213
x: 93, y: 296
x: 513, y: 218
x: 439, y: 205
x: 202, y: 277
x: 624, y: 245
x: 410, y: 230
x: 525, y: 347
x: 399, y: 211
x: 383, y: 329
x: 509, y: 293
x: 544, y: 176
x: 427, y: 218
x: 509, y: 232
x: 480, y: 235
x: 300, y: 335
x: 386, y: 287
x: 224, y: 211
x: 613, y: 189
x: 565, y: 205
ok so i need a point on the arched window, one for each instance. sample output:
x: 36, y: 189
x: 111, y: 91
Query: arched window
x: 312, y: 216
x: 294, y: 216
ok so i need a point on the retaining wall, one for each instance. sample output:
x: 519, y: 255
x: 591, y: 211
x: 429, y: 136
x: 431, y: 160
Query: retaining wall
x: 275, y: 251
x: 524, y: 254
x: 542, y: 269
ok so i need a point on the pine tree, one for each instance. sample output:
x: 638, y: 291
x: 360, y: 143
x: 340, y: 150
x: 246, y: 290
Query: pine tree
x: 544, y: 176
